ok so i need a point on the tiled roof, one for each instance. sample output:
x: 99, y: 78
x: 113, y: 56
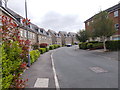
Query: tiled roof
x: 63, y: 32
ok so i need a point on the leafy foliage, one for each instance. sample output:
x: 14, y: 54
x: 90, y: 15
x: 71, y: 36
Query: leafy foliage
x: 43, y: 45
x: 103, y: 26
x: 14, y: 51
x: 51, y: 47
x: 113, y: 45
x: 34, y: 55
x: 82, y: 36
x: 42, y: 50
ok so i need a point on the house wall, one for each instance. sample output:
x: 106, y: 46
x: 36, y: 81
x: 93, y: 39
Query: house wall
x: 116, y: 21
x: 59, y: 40
x: 68, y: 40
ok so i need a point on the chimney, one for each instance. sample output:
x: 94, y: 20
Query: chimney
x: 6, y: 3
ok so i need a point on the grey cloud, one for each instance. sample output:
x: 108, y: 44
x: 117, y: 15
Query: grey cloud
x: 57, y: 22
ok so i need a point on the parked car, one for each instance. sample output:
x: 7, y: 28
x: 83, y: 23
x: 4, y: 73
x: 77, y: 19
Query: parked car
x: 69, y: 45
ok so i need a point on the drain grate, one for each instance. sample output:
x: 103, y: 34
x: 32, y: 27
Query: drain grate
x: 98, y: 70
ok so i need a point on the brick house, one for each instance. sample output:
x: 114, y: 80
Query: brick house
x: 114, y: 14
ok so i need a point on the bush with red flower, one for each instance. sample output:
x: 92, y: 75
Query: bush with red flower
x: 14, y: 54
x: 43, y: 45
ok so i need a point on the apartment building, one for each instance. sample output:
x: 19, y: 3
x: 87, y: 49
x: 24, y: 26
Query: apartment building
x: 56, y: 37
x: 114, y: 14
x: 73, y: 36
x: 44, y: 37
x: 66, y: 38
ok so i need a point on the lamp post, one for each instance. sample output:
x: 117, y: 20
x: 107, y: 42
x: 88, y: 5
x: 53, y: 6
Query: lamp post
x: 27, y: 32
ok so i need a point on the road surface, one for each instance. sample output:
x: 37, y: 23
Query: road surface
x: 77, y: 68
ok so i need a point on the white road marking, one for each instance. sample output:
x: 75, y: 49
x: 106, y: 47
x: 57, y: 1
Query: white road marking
x: 55, y: 75
x: 41, y: 83
x: 98, y: 69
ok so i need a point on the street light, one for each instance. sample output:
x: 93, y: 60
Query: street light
x: 27, y: 32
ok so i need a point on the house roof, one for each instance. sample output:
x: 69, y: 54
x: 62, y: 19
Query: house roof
x: 113, y: 8
x: 54, y: 33
x: 63, y: 33
x: 72, y: 34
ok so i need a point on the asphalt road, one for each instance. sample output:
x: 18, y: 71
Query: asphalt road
x: 84, y: 69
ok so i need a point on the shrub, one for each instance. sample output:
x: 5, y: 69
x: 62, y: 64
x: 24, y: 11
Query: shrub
x: 47, y: 49
x: 84, y: 45
x: 51, y: 47
x: 10, y: 62
x: 55, y: 46
x: 98, y: 45
x: 89, y: 45
x: 93, y: 42
x: 80, y: 45
x: 43, y: 45
x: 113, y: 45
x: 42, y: 50
x: 35, y: 46
x: 34, y: 55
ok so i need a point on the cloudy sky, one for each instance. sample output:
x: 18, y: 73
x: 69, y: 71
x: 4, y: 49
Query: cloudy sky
x: 60, y: 15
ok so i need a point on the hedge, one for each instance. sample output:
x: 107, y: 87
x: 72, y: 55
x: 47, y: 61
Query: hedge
x: 91, y: 45
x: 83, y: 45
x: 43, y: 45
x: 56, y: 46
x: 51, y: 47
x: 113, y: 45
x: 34, y: 55
x: 42, y: 50
x: 10, y: 62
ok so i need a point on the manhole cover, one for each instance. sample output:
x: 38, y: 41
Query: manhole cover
x: 98, y: 69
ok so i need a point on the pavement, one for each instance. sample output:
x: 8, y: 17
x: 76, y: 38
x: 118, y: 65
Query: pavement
x: 43, y: 68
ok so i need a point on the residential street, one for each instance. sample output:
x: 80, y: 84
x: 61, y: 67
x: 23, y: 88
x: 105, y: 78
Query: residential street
x: 85, y: 69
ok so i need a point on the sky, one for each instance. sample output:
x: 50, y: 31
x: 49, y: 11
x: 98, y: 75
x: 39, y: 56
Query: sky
x: 60, y: 15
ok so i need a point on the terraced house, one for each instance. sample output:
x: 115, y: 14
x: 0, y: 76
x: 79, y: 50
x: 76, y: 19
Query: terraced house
x: 56, y: 37
x: 37, y: 34
x: 114, y: 14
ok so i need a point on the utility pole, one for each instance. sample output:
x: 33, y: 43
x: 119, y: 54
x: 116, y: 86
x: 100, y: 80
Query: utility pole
x: 27, y: 32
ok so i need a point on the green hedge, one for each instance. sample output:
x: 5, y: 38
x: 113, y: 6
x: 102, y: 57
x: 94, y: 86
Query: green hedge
x: 42, y: 50
x: 34, y: 55
x: 51, y: 47
x: 91, y: 45
x: 113, y: 45
x: 56, y: 46
x: 10, y: 62
x: 47, y: 49
x: 83, y: 45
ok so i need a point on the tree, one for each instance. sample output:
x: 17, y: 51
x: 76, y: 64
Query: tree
x: 82, y: 36
x: 103, y: 26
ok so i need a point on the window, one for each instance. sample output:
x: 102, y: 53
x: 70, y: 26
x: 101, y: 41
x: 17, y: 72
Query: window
x: 25, y: 33
x: 117, y: 26
x: 21, y: 33
x: 116, y: 14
